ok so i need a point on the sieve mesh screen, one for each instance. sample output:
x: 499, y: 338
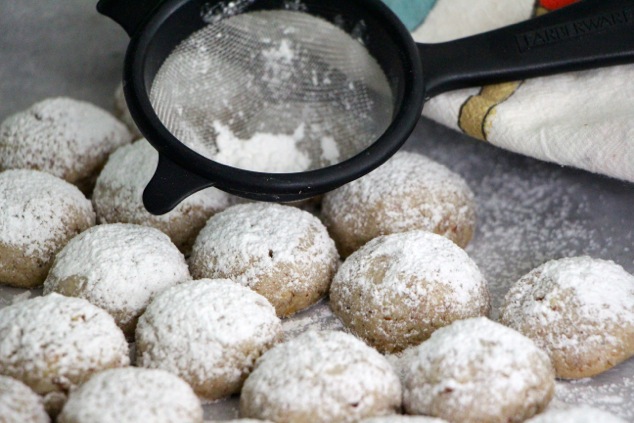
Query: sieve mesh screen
x: 274, y: 91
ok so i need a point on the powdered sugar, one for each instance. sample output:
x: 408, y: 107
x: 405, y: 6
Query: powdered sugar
x: 133, y: 395
x: 329, y: 376
x: 263, y: 152
x: 19, y: 404
x: 403, y: 419
x: 210, y: 332
x: 446, y: 375
x: 59, y: 135
x: 608, y: 391
x: 330, y: 150
x: 317, y: 317
x: 118, y: 267
x: 54, y: 342
x: 34, y: 210
x: 583, y: 414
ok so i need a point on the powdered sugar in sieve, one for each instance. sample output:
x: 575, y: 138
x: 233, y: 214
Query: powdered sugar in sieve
x: 275, y: 91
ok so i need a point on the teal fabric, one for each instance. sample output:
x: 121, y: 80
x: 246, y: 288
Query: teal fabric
x: 411, y: 12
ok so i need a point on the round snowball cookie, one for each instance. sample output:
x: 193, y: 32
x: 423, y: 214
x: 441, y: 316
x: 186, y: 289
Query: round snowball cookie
x: 581, y: 414
x: 476, y: 370
x: 403, y: 419
x: 580, y: 310
x: 133, y: 395
x: 281, y: 252
x: 19, y: 404
x: 119, y: 190
x: 321, y: 377
x: 53, y: 343
x: 122, y: 112
x: 39, y: 214
x: 209, y: 332
x: 68, y: 138
x: 408, y: 192
x: 118, y: 267
x: 398, y: 289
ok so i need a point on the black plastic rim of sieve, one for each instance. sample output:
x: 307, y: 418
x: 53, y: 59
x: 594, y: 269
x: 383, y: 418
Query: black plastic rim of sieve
x: 182, y: 171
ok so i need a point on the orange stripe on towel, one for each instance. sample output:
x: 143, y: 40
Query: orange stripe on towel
x: 555, y: 4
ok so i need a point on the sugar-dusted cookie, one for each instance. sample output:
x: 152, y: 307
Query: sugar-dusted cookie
x: 396, y: 290
x: 133, y: 395
x: 281, y: 252
x: 476, y: 370
x: 68, y: 138
x: 53, y: 343
x: 579, y: 309
x: 209, y: 332
x: 118, y: 267
x: 39, y: 214
x: 19, y: 404
x: 326, y: 376
x: 408, y: 192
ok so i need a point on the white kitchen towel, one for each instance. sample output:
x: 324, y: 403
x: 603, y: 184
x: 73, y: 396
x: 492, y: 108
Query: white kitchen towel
x: 581, y: 119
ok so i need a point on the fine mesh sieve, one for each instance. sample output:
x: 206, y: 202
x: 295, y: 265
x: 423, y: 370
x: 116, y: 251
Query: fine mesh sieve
x: 314, y: 89
x: 281, y: 100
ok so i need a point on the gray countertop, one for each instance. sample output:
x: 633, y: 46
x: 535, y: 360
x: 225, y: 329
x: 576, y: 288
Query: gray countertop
x: 528, y: 211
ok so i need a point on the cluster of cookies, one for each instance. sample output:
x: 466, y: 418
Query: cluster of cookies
x: 202, y: 290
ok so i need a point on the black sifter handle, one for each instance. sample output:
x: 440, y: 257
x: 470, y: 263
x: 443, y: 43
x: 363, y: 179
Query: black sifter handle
x: 587, y: 34
x: 128, y: 13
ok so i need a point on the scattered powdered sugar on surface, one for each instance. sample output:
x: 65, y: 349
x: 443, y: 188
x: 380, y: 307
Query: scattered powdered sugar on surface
x: 263, y: 152
x: 53, y: 342
x: 610, y: 391
x: 121, y: 267
x: 18, y: 298
x: 120, y: 186
x: 207, y: 330
x: 317, y: 317
x: 133, y: 395
x: 403, y: 419
x: 19, y: 404
x: 329, y: 375
x: 34, y: 210
x: 449, y: 372
x: 582, y: 414
x: 255, y: 239
x: 59, y: 135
